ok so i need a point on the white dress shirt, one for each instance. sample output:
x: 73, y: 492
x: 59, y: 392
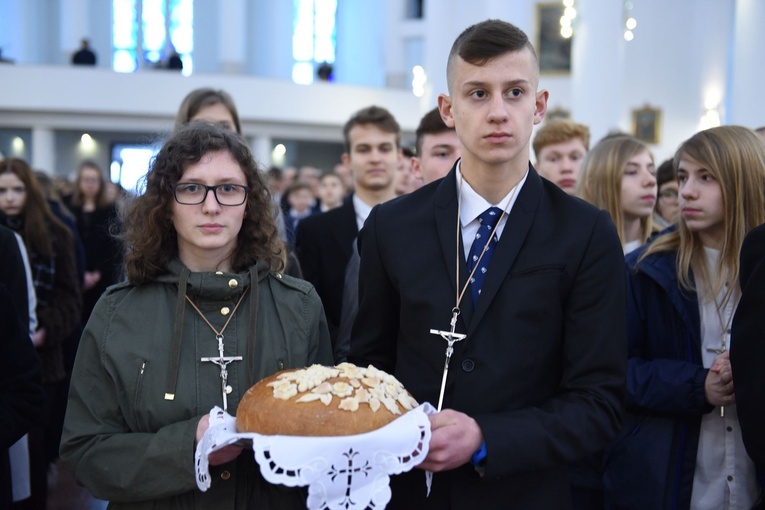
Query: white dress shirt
x: 473, y: 204
x: 725, y: 475
x: 362, y: 210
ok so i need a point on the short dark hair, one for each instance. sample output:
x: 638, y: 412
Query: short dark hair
x: 430, y: 124
x: 665, y: 172
x: 375, y: 115
x: 484, y: 41
x: 298, y: 185
x: 274, y: 172
x: 331, y: 175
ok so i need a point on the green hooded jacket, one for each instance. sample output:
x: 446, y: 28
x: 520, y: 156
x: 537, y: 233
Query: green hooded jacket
x: 139, y: 387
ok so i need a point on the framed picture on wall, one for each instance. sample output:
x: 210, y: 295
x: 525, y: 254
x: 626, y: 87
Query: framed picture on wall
x: 553, y: 50
x: 646, y: 124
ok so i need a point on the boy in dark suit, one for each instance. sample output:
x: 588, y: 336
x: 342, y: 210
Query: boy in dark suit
x: 534, y: 303
x: 324, y: 241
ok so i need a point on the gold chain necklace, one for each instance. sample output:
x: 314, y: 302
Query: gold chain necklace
x: 221, y: 360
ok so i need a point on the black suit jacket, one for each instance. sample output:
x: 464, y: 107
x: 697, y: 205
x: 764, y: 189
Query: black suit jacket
x: 747, y: 352
x: 13, y: 274
x: 542, y: 369
x: 323, y: 245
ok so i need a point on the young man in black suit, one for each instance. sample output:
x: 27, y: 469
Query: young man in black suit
x: 437, y: 149
x: 324, y: 241
x: 536, y: 380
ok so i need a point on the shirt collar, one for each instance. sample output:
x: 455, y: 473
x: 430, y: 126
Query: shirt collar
x: 474, y: 204
x: 362, y: 210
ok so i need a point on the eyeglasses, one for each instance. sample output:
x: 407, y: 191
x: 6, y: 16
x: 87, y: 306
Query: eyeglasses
x: 191, y: 193
x: 668, y: 193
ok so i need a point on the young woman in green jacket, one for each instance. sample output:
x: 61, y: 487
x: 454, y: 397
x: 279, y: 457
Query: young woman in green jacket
x: 205, y: 291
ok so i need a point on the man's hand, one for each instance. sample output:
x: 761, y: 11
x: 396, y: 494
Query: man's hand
x: 225, y: 454
x: 718, y: 386
x: 38, y: 338
x: 454, y: 439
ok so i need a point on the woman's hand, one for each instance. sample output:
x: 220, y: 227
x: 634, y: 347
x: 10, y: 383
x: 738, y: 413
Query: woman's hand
x: 222, y: 456
x: 718, y: 386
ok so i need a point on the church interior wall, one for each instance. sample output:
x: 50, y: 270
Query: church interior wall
x: 688, y: 59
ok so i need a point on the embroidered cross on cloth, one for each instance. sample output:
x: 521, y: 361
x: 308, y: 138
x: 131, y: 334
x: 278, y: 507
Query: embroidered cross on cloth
x: 488, y: 220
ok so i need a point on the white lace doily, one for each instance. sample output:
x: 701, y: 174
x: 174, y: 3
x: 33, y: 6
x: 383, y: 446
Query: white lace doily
x: 347, y: 472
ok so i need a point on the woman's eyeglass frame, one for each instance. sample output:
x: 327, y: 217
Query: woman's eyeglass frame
x: 246, y: 191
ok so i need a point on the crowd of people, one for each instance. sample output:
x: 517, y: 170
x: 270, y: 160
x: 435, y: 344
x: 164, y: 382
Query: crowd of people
x: 598, y: 308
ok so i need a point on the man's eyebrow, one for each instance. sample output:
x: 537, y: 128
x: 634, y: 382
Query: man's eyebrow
x: 509, y: 83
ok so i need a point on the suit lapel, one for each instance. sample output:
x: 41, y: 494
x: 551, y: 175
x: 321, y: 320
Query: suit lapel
x: 345, y: 227
x: 513, y: 236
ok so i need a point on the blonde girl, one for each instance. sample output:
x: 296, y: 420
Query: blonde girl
x: 618, y: 175
x: 681, y: 446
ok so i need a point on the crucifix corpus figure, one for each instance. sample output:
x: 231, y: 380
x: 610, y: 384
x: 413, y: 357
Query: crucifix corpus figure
x: 222, y: 362
x: 451, y: 338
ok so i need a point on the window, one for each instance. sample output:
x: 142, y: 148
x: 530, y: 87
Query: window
x: 414, y: 9
x: 130, y: 163
x: 313, y: 38
x: 145, y: 32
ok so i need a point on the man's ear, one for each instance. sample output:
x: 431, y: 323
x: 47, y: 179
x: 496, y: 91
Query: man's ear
x: 541, y: 106
x: 416, y: 168
x: 346, y: 159
x: 445, y: 109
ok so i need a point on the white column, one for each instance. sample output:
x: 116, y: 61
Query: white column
x: 74, y: 25
x: 438, y: 34
x: 597, y: 87
x: 232, y: 37
x: 268, y: 39
x: 261, y: 150
x: 361, y: 43
x: 43, y: 149
x: 744, y: 105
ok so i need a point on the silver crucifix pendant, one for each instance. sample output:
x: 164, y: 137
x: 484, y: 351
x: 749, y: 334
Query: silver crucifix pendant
x: 222, y: 362
x: 451, y: 338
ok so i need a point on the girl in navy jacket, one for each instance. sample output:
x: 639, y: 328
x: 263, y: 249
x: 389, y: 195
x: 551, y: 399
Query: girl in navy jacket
x: 681, y: 446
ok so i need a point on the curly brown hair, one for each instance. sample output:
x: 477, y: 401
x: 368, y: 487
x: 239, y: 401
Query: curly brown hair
x: 149, y: 235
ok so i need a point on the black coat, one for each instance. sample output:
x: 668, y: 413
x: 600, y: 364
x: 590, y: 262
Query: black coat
x: 542, y: 369
x: 13, y: 274
x: 323, y: 246
x: 747, y: 354
x: 102, y: 252
x: 21, y: 394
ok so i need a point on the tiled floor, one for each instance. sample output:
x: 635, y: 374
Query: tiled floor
x: 67, y: 495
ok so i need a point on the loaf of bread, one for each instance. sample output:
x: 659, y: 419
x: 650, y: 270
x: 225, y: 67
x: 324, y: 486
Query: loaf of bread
x: 323, y: 401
